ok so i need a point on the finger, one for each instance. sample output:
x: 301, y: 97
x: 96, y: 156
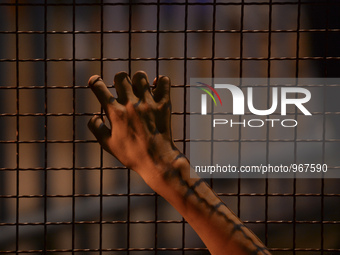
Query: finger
x: 100, y: 131
x: 162, y: 90
x: 140, y: 83
x: 100, y: 90
x: 123, y: 87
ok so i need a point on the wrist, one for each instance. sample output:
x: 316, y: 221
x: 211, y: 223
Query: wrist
x: 162, y: 175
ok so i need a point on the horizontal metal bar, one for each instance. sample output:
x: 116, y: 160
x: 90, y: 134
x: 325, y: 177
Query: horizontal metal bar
x: 173, y: 86
x: 178, y: 140
x: 46, y: 114
x: 153, y: 194
x: 62, y: 168
x: 83, y: 168
x: 157, y: 249
x: 174, y: 113
x: 169, y: 3
x: 189, y: 31
x: 81, y: 195
x: 162, y: 222
x: 165, y: 59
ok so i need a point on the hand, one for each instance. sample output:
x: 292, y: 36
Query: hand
x: 140, y: 137
x: 140, y: 121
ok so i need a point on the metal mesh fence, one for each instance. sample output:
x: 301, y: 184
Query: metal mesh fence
x: 61, y: 194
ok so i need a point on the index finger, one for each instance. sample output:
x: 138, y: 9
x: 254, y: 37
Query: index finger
x: 101, y: 91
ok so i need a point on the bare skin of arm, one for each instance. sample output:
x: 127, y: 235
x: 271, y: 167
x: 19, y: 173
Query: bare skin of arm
x: 140, y: 137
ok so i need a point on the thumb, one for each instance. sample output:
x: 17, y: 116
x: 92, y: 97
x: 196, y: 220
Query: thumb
x: 100, y: 131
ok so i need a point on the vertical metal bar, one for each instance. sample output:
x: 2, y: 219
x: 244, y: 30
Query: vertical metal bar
x: 101, y: 149
x: 46, y: 129
x: 157, y: 38
x: 294, y: 200
x: 17, y: 127
x: 128, y: 170
x: 130, y: 36
x: 4, y: 212
x: 239, y: 129
x: 298, y: 39
x: 213, y: 35
x: 324, y: 133
x: 185, y: 101
x: 295, y: 129
x: 73, y: 123
x: 322, y: 216
x: 267, y: 126
x: 157, y: 74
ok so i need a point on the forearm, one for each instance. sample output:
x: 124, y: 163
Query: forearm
x: 218, y: 227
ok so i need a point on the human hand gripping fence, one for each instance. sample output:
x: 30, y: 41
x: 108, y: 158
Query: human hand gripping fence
x: 140, y: 138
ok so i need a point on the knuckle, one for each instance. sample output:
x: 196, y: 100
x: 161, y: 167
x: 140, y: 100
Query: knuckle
x: 111, y: 101
x: 164, y: 105
x: 120, y: 113
x: 117, y: 113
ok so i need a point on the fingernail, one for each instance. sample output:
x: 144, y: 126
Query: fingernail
x: 119, y: 77
x: 92, y: 122
x: 93, y: 79
x: 165, y: 78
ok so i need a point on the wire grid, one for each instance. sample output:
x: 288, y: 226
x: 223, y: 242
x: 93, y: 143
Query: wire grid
x: 60, y: 193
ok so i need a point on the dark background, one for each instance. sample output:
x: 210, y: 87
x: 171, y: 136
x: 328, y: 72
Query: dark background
x: 61, y: 194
